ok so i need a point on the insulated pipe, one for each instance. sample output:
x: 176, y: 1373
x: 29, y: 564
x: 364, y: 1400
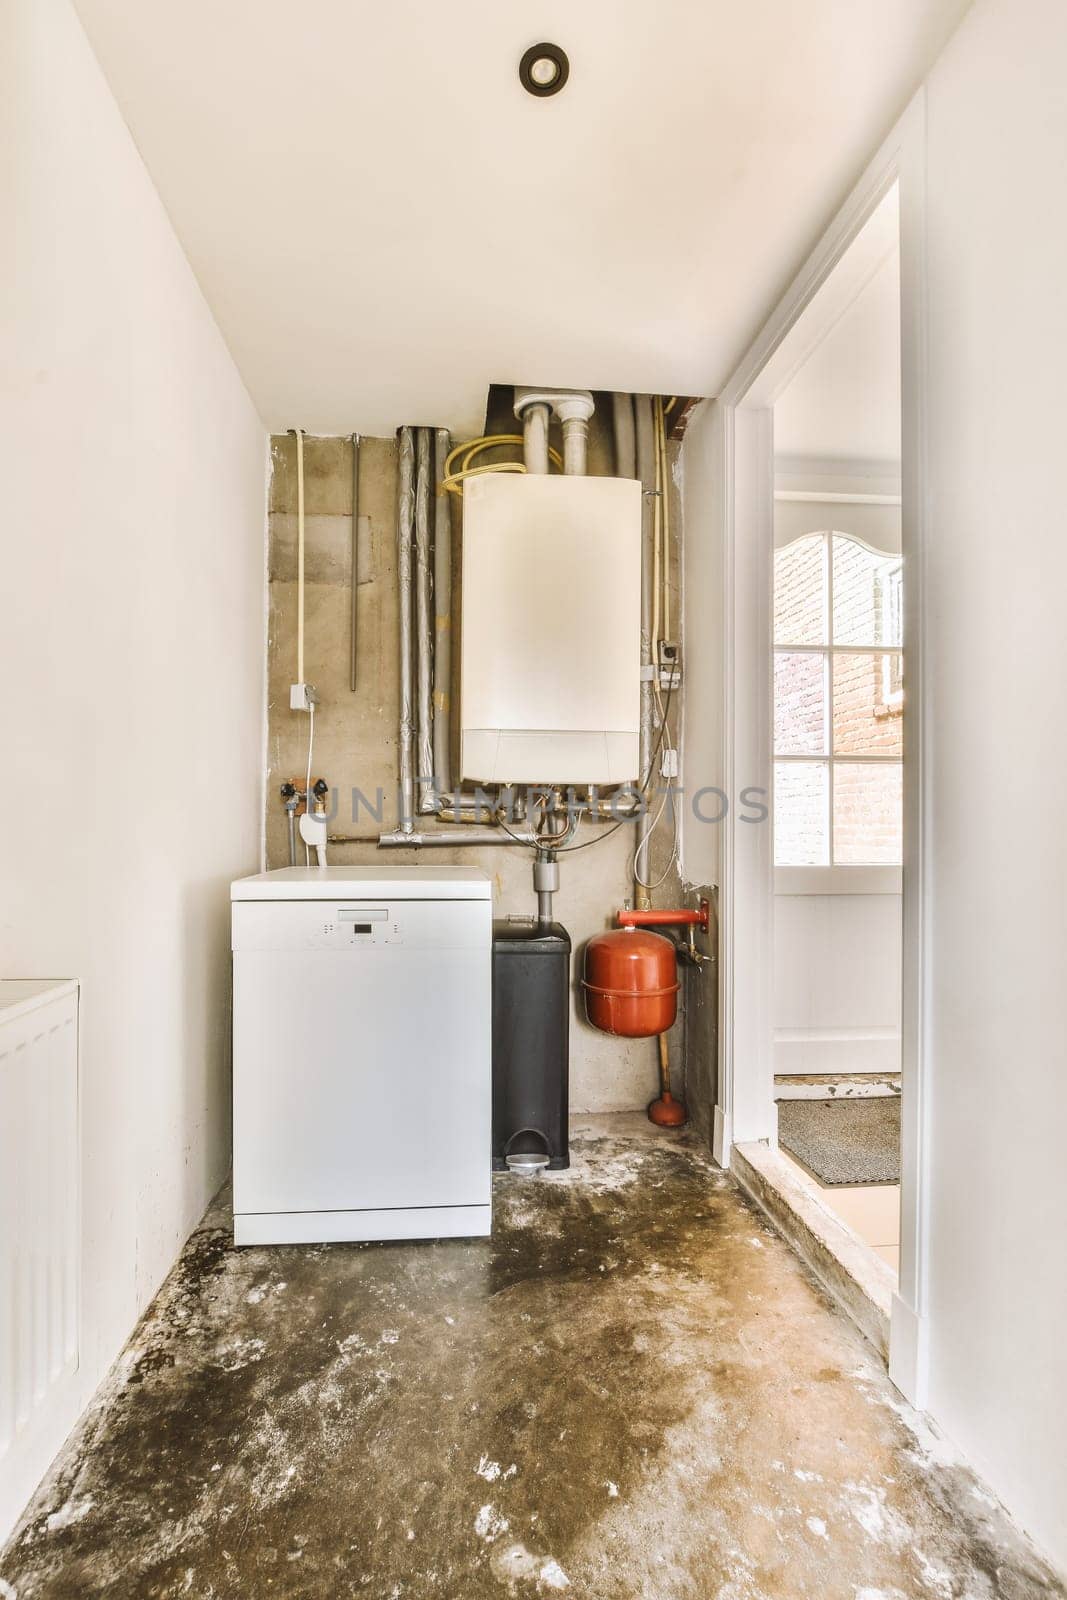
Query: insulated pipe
x: 404, y: 525
x: 354, y: 624
x: 535, y: 437
x: 646, y: 471
x: 623, y: 424
x: 423, y: 643
x: 442, y: 656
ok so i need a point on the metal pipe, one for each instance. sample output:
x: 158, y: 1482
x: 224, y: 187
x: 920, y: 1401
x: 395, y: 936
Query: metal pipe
x: 546, y: 884
x: 623, y: 423
x: 646, y: 471
x: 401, y: 840
x: 535, y: 419
x: 423, y: 641
x: 354, y: 624
x: 664, y: 503
x: 575, y: 446
x: 442, y: 656
x: 291, y: 813
x: 574, y: 410
x: 299, y: 554
x: 404, y: 524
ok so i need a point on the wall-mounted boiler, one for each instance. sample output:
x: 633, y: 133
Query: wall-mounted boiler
x: 550, y: 651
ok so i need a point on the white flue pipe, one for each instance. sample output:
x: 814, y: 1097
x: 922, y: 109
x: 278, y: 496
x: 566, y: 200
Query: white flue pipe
x: 535, y: 438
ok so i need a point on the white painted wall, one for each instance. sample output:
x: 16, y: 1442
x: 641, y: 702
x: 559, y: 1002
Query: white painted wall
x: 703, y: 620
x: 131, y: 655
x: 997, y: 571
x: 845, y: 400
x: 836, y: 983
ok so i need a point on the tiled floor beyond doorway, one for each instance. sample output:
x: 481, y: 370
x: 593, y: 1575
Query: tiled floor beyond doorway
x: 633, y: 1390
x: 871, y: 1210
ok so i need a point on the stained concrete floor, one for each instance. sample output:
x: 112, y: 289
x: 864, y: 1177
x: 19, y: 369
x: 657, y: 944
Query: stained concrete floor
x: 633, y: 1390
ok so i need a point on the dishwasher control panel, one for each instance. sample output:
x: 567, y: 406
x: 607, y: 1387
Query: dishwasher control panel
x: 360, y: 922
x: 354, y: 925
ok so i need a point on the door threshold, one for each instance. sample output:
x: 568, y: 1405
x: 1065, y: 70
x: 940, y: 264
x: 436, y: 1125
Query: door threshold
x: 835, y: 1085
x: 859, y: 1281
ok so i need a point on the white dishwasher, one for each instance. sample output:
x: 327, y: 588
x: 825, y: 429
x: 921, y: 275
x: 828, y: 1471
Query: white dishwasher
x: 362, y: 1041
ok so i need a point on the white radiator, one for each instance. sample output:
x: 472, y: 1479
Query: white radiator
x: 39, y: 1232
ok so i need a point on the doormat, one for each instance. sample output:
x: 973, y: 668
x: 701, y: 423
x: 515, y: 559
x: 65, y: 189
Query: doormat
x: 844, y: 1141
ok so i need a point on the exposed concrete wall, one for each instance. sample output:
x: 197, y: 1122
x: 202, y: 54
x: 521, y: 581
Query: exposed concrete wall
x: 356, y: 734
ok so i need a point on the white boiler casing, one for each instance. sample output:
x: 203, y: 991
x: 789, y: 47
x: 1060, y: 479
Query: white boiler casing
x: 551, y: 638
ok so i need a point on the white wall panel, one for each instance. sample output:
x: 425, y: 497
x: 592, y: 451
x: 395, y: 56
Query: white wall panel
x: 837, y: 983
x: 131, y: 655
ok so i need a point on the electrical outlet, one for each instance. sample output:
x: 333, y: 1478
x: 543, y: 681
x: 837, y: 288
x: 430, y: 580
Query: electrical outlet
x: 669, y: 664
x: 302, y: 696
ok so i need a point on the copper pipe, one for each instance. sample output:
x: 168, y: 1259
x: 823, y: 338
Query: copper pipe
x: 664, y: 919
x: 666, y: 1112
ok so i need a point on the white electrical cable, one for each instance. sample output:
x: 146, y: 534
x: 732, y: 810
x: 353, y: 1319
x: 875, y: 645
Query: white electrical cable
x: 300, y: 555
x: 307, y: 785
x: 642, y: 852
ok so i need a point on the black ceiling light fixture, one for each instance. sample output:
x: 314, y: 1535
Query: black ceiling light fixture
x: 544, y: 69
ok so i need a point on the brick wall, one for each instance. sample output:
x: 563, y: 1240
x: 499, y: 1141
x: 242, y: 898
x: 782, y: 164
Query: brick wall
x: 847, y: 703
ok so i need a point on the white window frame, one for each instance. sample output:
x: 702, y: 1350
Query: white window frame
x: 834, y: 877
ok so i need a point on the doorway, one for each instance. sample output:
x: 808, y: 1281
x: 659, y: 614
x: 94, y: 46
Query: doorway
x: 838, y: 599
x: 849, y: 797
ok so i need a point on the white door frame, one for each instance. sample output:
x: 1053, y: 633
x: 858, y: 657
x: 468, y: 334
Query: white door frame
x: 742, y: 439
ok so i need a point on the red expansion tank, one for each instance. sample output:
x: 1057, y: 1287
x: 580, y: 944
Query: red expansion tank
x: 631, y: 982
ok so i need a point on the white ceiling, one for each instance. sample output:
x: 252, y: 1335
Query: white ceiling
x: 384, y: 222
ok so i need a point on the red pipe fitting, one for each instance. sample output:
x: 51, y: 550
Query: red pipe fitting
x: 664, y: 919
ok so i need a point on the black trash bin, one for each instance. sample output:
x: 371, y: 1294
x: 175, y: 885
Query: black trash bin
x: 531, y: 1041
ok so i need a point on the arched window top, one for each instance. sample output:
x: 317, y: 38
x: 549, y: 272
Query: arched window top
x: 831, y: 588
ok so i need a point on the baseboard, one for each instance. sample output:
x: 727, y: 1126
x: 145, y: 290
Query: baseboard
x: 908, y: 1352
x: 721, y: 1138
x: 804, y: 1051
